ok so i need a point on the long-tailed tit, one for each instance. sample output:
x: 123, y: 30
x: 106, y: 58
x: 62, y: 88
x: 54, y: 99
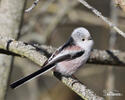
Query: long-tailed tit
x: 68, y: 58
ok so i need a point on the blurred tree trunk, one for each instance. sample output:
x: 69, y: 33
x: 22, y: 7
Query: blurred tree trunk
x: 11, y: 12
x: 110, y: 82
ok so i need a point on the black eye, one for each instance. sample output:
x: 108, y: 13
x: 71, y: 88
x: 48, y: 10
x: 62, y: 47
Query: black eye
x: 83, y: 39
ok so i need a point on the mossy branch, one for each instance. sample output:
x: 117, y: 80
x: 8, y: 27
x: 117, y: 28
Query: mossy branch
x: 39, y: 54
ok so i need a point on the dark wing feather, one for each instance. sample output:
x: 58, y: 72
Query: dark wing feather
x: 69, y: 43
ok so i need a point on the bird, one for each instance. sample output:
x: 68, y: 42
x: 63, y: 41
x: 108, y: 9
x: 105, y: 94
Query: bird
x: 68, y: 58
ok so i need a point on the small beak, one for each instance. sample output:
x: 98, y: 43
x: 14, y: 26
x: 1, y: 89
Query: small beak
x: 90, y: 38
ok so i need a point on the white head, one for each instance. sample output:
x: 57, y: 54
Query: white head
x: 82, y: 38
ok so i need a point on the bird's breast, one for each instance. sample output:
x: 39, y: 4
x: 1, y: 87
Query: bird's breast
x: 69, y: 67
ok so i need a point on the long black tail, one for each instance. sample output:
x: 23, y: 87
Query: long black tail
x: 31, y: 76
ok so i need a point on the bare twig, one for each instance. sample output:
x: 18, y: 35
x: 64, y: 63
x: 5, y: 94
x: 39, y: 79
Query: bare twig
x: 27, y: 28
x: 32, y: 6
x: 88, y: 18
x: 96, y: 12
x: 45, y: 6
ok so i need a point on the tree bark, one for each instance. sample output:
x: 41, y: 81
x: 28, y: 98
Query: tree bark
x: 11, y: 12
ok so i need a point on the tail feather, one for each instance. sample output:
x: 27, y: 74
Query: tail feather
x: 30, y: 77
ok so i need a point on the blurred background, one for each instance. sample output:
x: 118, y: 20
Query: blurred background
x: 51, y: 22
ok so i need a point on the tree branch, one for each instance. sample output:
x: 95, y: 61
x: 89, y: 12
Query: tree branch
x: 78, y: 87
x: 32, y: 6
x: 99, y: 14
x: 107, y: 57
x: 39, y: 54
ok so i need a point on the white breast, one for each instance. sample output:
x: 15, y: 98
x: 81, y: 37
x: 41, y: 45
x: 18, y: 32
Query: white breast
x: 69, y: 67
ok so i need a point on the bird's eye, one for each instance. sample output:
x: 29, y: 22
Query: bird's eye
x: 83, y: 39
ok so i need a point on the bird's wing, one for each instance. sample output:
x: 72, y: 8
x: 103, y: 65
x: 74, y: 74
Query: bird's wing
x: 68, y: 44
